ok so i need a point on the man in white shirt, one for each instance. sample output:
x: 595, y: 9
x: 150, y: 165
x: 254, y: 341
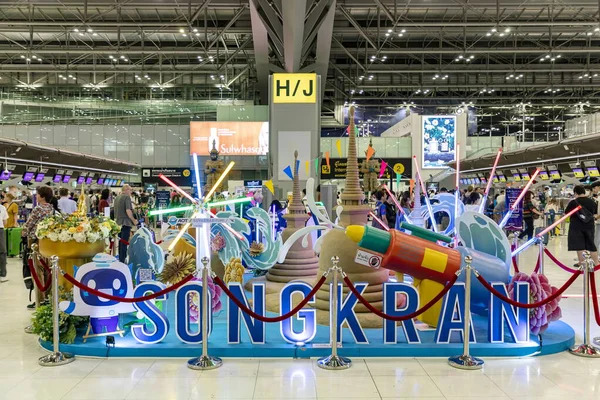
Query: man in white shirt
x: 3, y: 219
x: 65, y: 204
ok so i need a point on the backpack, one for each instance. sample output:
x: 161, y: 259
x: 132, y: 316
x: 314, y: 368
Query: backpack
x: 584, y: 214
x: 390, y: 214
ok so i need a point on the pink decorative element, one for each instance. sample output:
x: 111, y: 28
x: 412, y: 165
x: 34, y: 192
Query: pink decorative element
x: 194, y: 301
x: 539, y: 289
x: 382, y: 169
x: 218, y: 243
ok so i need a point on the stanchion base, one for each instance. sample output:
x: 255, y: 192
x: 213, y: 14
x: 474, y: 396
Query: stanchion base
x: 334, y: 362
x: 28, y: 329
x: 585, y: 350
x: 596, y: 341
x: 465, y: 362
x: 56, y: 359
x: 204, y: 363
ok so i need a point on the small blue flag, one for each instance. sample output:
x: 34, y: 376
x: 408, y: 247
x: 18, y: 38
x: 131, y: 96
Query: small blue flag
x: 288, y: 172
x: 298, y: 166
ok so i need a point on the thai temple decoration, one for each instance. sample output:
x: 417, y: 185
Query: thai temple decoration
x: 213, y: 168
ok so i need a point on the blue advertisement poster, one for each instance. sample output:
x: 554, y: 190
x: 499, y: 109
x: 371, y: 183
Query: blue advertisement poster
x: 439, y: 140
x: 515, y: 222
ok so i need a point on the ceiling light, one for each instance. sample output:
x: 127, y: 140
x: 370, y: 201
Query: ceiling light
x: 403, y: 31
x: 28, y: 59
x: 401, y: 34
x: 34, y: 57
x: 125, y: 59
x: 80, y: 33
x: 94, y: 34
x: 389, y: 31
x: 488, y: 34
x: 90, y: 30
x: 507, y: 30
x: 387, y: 34
x: 502, y: 34
x: 22, y: 56
x: 122, y: 57
x: 111, y: 57
x: 181, y: 30
x: 460, y: 57
x: 183, y: 34
x: 146, y: 76
x: 494, y: 30
x: 195, y: 30
x: 60, y: 76
x: 197, y: 34
x: 75, y: 30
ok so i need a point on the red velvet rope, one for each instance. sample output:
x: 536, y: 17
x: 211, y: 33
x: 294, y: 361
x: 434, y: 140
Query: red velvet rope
x: 540, y: 303
x: 262, y: 318
x: 538, y: 264
x: 403, y: 317
x: 36, y: 278
x: 125, y: 299
x: 563, y: 266
x: 125, y: 242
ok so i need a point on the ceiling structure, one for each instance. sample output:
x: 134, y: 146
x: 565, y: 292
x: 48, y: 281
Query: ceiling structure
x: 507, y: 59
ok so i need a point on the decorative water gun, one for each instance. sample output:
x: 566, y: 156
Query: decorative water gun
x: 432, y: 265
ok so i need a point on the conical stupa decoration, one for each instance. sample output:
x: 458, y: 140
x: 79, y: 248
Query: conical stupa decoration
x: 335, y: 243
x: 300, y: 263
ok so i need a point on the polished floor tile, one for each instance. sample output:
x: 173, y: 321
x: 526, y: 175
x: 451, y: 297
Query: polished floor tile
x: 406, y: 386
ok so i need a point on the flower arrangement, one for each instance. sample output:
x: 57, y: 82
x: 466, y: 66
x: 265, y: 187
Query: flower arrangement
x: 215, y: 297
x: 539, y: 289
x: 74, y: 227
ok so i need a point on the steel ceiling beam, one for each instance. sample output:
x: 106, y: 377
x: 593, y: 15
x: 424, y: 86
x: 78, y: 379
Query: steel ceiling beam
x: 324, y: 46
x: 294, y: 12
x: 261, y: 53
x: 357, y: 26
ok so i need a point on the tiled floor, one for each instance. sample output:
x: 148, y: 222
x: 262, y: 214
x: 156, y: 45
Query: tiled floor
x: 558, y: 376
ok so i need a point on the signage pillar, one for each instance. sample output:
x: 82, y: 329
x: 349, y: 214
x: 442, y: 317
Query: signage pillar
x: 294, y: 124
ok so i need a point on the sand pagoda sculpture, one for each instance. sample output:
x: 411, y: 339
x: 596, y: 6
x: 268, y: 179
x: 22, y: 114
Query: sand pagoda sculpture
x: 335, y: 243
x: 300, y: 263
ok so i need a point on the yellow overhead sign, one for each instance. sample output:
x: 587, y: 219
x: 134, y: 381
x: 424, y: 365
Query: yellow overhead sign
x: 294, y: 88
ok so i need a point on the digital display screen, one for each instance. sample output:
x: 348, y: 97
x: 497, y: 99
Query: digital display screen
x: 578, y: 173
x: 483, y: 180
x: 89, y: 181
x: 28, y: 176
x: 593, y: 171
x: 495, y: 179
x: 66, y: 178
x: 57, y: 178
x: 525, y: 176
x: 5, y: 175
x: 40, y: 177
x: 80, y: 180
x: 439, y: 140
x: 100, y: 181
x: 517, y: 177
x: 477, y: 181
x: 543, y: 175
x: 554, y: 174
x: 502, y: 178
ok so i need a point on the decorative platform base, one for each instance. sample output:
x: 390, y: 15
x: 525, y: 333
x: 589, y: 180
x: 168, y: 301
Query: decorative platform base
x: 559, y: 337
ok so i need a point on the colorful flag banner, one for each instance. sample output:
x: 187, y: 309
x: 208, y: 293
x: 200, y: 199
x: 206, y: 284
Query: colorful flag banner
x: 370, y: 152
x: 327, y: 159
x: 288, y: 172
x: 297, y: 166
x: 398, y: 176
x: 317, y: 166
x: 307, y: 165
x: 412, y: 186
x: 269, y: 185
x: 382, y: 169
x: 338, y: 145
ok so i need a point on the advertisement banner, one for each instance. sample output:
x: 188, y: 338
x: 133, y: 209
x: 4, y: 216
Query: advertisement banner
x: 230, y: 138
x: 163, y: 199
x: 515, y: 222
x: 337, y: 168
x: 439, y: 140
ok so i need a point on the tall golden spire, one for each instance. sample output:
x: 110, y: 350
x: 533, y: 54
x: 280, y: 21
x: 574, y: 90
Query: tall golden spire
x: 353, y: 195
x: 296, y: 206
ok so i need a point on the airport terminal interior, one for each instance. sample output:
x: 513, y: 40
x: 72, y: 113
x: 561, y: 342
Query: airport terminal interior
x: 299, y: 199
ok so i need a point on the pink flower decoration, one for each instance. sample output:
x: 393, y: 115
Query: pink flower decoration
x: 217, y: 243
x: 215, y: 293
x: 539, y: 289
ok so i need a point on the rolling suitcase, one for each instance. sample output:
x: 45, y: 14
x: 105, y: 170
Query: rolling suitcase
x: 13, y: 241
x: 546, y: 236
